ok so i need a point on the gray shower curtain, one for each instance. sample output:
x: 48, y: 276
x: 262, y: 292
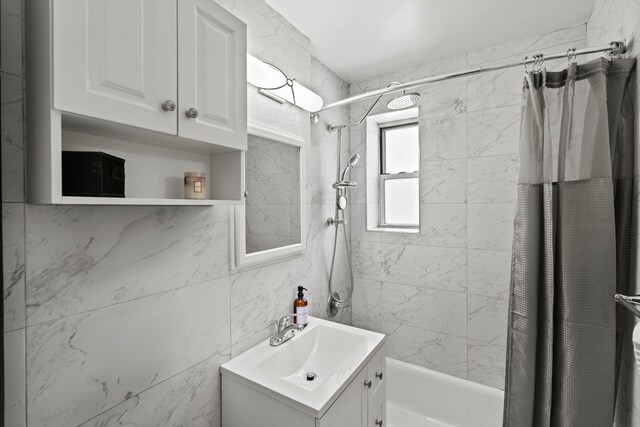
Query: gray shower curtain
x: 571, y: 247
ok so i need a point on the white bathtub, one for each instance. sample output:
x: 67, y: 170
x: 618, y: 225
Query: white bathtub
x: 420, y: 397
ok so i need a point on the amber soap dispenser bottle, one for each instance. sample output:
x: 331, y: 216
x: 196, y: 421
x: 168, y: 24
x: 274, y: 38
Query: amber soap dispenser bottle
x: 300, y: 308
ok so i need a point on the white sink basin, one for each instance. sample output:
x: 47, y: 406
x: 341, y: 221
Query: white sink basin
x: 333, y: 352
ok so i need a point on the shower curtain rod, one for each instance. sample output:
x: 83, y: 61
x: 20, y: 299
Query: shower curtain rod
x: 615, y: 48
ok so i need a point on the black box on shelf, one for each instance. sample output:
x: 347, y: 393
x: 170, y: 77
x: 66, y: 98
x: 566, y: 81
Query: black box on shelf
x: 92, y: 174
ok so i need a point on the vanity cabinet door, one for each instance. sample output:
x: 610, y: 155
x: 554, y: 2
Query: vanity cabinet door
x: 377, y: 369
x: 116, y: 60
x: 350, y: 409
x: 377, y: 399
x: 212, y: 75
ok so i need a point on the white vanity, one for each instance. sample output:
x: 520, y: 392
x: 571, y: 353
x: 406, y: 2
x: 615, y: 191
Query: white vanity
x: 328, y: 375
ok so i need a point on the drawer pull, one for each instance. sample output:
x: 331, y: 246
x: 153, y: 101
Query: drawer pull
x: 367, y: 383
x: 379, y: 375
x: 379, y: 423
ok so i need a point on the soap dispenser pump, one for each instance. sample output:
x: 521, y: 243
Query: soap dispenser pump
x: 300, y: 308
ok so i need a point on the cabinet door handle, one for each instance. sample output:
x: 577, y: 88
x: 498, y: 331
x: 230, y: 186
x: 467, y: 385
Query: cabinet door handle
x: 379, y: 423
x: 379, y: 375
x: 169, y: 105
x: 191, y: 113
x: 367, y: 383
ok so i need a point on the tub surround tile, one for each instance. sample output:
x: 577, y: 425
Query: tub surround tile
x: 364, y: 182
x: 441, y: 352
x: 493, y: 89
x: 14, y: 255
x: 443, y: 181
x: 432, y: 309
x: 444, y: 224
x: 487, y: 364
x: 99, y: 359
x: 425, y: 266
x: 443, y: 137
x: 82, y: 258
x: 507, y: 51
x: 189, y: 398
x: 487, y: 319
x: 445, y: 98
x: 488, y: 273
x: 12, y: 136
x: 443, y: 66
x: 366, y: 258
x: 494, y: 131
x: 367, y: 297
x: 490, y: 226
x: 358, y: 225
x: 492, y: 179
x: 15, y: 414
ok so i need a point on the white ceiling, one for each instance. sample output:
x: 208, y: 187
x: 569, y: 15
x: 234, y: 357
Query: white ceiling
x: 362, y: 38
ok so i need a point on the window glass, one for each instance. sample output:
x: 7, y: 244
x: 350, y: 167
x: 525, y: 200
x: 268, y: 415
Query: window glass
x: 402, y: 201
x: 401, y: 149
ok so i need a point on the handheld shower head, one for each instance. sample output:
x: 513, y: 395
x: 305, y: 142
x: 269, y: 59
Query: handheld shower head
x: 353, y: 160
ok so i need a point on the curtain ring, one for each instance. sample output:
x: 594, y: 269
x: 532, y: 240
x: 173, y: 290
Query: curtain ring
x: 539, y: 62
x: 571, y: 55
x: 525, y: 62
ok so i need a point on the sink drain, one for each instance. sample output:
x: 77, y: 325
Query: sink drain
x: 310, y: 376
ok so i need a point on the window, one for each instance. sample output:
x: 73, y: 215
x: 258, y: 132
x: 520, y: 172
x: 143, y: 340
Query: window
x: 399, y: 175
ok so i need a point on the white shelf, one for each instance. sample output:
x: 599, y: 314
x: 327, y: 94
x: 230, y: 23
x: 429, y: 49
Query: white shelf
x: 138, y: 201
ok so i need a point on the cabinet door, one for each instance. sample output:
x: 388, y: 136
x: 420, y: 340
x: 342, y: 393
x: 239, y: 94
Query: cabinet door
x: 350, y: 409
x: 212, y: 75
x: 116, y: 60
x: 377, y: 407
x: 377, y: 369
x: 377, y: 401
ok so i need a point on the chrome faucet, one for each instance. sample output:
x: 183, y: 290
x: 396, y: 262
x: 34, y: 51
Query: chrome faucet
x: 285, y: 330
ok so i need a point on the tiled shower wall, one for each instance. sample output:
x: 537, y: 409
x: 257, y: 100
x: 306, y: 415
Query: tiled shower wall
x: 615, y: 20
x: 125, y: 313
x: 442, y: 295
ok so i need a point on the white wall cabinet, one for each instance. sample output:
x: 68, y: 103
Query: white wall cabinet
x: 213, y: 89
x: 118, y: 63
x: 361, y: 404
x: 161, y: 83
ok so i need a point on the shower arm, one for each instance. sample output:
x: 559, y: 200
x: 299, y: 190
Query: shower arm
x: 331, y: 128
x: 615, y: 48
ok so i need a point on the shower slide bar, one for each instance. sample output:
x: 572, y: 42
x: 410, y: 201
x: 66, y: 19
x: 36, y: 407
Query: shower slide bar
x: 632, y: 303
x: 614, y: 48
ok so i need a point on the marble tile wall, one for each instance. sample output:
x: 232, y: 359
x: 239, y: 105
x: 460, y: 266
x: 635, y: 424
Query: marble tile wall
x: 122, y: 315
x: 615, y: 20
x: 442, y: 295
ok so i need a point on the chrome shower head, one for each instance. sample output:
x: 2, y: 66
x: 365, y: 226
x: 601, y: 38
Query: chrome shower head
x: 353, y: 160
x: 405, y: 100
